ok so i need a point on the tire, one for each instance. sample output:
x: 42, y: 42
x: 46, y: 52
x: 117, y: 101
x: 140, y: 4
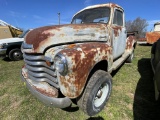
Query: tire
x: 153, y: 49
x: 96, y: 93
x: 130, y: 58
x: 156, y: 91
x: 157, y: 76
x: 15, y: 54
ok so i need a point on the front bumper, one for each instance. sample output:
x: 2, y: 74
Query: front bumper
x: 49, y: 101
x: 3, y: 52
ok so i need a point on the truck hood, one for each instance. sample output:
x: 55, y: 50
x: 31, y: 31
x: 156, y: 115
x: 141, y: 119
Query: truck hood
x: 41, y: 38
x: 11, y: 40
x: 152, y: 36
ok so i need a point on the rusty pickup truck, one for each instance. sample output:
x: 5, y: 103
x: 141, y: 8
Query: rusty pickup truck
x: 73, y: 62
x: 155, y: 63
x: 151, y: 37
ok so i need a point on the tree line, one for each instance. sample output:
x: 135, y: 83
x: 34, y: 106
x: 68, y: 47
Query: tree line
x: 139, y: 25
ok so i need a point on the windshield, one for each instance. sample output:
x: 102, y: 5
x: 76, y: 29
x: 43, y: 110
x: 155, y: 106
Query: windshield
x: 157, y: 27
x: 24, y: 33
x: 96, y: 15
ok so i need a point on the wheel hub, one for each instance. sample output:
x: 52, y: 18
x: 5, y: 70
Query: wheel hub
x: 101, y: 95
x: 17, y: 55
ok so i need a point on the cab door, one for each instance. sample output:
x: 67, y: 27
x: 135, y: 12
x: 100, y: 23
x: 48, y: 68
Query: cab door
x: 118, y: 33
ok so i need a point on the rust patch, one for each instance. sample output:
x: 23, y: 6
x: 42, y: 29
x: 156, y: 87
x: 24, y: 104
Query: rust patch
x: 152, y: 37
x: 113, y: 5
x: 83, y: 57
x: 88, y: 25
x: 116, y: 29
x: 130, y: 42
x: 48, y: 92
x: 71, y: 46
x: 44, y: 89
x: 41, y: 38
x: 24, y: 72
x: 37, y: 36
x: 142, y: 39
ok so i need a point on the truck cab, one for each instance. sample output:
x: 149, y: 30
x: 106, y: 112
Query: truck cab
x: 74, y: 61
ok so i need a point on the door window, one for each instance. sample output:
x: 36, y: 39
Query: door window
x: 118, y: 18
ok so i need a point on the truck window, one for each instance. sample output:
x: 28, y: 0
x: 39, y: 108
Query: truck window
x: 96, y: 15
x: 157, y: 27
x: 24, y: 33
x: 77, y: 21
x: 118, y: 18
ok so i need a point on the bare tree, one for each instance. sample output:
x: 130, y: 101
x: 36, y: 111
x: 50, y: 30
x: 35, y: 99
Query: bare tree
x: 139, y: 25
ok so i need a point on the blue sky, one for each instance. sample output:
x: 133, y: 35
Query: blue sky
x: 28, y: 14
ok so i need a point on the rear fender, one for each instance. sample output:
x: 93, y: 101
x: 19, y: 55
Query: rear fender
x: 131, y: 43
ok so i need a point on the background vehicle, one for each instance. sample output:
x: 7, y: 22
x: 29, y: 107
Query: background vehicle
x: 11, y: 47
x: 8, y: 31
x: 151, y: 37
x: 74, y: 62
x: 155, y: 62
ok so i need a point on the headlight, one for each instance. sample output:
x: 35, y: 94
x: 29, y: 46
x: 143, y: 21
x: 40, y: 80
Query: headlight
x: 3, y: 45
x: 60, y: 63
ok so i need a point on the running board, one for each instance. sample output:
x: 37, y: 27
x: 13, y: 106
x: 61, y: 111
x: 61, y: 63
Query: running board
x: 119, y: 61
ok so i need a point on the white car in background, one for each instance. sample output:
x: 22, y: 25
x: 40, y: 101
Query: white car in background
x: 11, y: 47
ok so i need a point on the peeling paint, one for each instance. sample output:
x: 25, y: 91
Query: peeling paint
x: 130, y: 42
x: 81, y: 60
x: 42, y: 38
x: 152, y: 37
x: 117, y: 30
x: 82, y: 45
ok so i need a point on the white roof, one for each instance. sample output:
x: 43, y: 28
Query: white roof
x: 99, y: 5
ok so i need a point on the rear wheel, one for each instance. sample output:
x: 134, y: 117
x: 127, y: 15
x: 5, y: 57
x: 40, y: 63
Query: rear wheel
x: 15, y: 54
x: 96, y: 93
x: 130, y: 58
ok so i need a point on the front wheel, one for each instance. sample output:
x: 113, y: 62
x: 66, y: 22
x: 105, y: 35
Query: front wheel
x: 96, y: 93
x: 15, y: 54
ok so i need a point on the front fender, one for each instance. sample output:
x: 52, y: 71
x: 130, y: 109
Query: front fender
x: 81, y: 58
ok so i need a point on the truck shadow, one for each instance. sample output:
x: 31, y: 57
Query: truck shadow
x: 147, y: 44
x: 9, y: 60
x: 75, y: 108
x: 71, y: 109
x: 6, y: 59
x: 95, y: 118
x: 145, y: 107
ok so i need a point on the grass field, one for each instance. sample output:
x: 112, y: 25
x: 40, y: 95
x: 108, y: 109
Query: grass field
x: 132, y: 95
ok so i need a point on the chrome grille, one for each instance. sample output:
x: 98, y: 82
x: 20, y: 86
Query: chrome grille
x: 38, y: 70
